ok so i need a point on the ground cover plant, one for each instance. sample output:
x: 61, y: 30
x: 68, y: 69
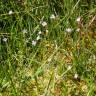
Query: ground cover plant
x: 47, y: 47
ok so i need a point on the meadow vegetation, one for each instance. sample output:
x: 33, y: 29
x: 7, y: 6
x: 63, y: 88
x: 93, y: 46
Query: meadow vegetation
x: 47, y: 47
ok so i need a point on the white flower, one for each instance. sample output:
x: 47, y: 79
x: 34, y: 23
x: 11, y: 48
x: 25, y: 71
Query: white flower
x: 49, y: 59
x: 78, y: 19
x: 69, y: 30
x: 38, y: 37
x: 52, y: 16
x: 75, y: 76
x: 4, y: 39
x: 69, y: 67
x: 39, y: 32
x: 44, y: 23
x: 78, y: 29
x: 10, y: 12
x: 47, y: 31
x: 24, y: 30
x: 34, y: 43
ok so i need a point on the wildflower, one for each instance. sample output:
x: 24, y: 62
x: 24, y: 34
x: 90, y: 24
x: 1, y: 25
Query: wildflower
x: 10, y: 12
x: 47, y: 31
x: 78, y: 29
x: 4, y: 39
x: 75, y: 76
x: 24, y: 30
x: 49, y: 59
x: 39, y: 32
x: 78, y: 19
x: 44, y: 23
x: 52, y: 16
x: 34, y: 43
x: 69, y: 67
x: 69, y: 30
x: 38, y: 37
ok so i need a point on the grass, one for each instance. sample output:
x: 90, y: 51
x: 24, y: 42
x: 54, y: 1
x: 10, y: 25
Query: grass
x: 61, y: 61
